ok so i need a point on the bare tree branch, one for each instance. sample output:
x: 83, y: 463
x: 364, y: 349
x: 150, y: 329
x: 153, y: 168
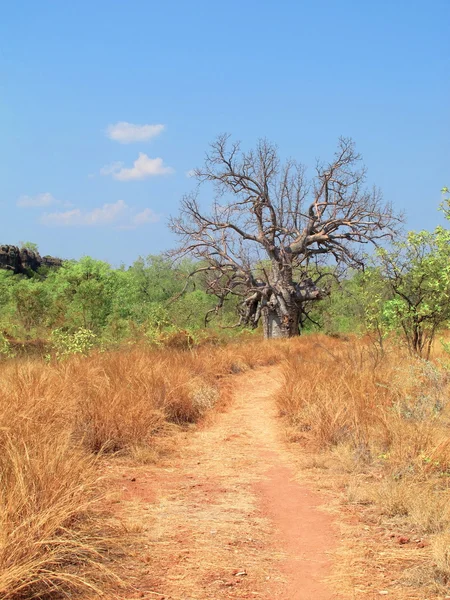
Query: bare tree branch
x: 266, y: 220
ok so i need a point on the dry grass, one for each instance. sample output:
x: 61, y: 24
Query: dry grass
x: 52, y: 533
x: 382, y: 424
x: 56, y: 419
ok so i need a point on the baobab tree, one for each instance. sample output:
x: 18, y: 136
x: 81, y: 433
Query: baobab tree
x: 267, y: 222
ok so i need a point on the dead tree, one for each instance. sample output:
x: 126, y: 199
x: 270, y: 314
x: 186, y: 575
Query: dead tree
x: 267, y: 223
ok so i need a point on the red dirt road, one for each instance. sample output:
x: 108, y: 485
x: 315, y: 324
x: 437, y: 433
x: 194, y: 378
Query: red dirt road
x: 304, y: 533
x: 228, y: 518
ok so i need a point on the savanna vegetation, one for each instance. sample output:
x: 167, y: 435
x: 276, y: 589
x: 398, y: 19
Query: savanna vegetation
x: 99, y: 361
x: 59, y: 420
x: 375, y: 428
x: 401, y: 291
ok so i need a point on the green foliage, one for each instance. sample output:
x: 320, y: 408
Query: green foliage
x: 84, y: 303
x: 417, y: 270
x: 5, y: 347
x: 30, y: 300
x: 140, y: 302
x: 340, y: 312
x: 79, y: 342
x: 83, y: 293
x: 32, y: 246
x: 405, y: 292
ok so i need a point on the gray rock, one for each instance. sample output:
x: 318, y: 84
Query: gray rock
x: 22, y: 260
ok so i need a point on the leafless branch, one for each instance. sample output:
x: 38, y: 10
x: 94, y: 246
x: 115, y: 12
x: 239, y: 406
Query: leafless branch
x: 266, y: 219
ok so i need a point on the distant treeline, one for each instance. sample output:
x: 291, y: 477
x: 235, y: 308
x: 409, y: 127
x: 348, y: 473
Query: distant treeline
x: 114, y: 304
x: 402, y: 291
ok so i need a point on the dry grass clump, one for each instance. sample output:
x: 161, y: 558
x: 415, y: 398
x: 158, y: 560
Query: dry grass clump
x: 53, y: 536
x: 394, y: 410
x: 127, y: 398
x: 384, y: 422
x: 331, y: 394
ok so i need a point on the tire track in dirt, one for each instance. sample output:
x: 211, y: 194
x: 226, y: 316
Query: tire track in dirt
x: 228, y: 519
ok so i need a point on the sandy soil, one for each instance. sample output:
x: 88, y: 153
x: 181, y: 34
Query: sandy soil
x: 229, y: 517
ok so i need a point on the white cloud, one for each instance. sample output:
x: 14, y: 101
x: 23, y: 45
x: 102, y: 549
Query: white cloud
x: 146, y: 216
x: 141, y: 218
x: 45, y: 199
x: 190, y: 173
x: 142, y: 168
x: 69, y: 217
x: 40, y: 201
x: 118, y: 214
x: 126, y: 133
x: 114, y: 167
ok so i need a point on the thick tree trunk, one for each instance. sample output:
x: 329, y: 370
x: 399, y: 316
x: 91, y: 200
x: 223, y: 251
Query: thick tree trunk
x: 280, y: 326
x: 281, y: 314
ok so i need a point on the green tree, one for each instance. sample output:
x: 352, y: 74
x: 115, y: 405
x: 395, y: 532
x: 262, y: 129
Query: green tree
x: 30, y: 300
x: 31, y: 246
x: 418, y: 273
x: 82, y: 294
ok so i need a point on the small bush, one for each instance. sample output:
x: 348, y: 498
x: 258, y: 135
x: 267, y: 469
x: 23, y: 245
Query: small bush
x: 177, y: 340
x: 6, y: 350
x: 80, y: 342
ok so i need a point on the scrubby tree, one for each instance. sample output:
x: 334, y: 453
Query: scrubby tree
x: 417, y: 270
x: 267, y: 211
x: 83, y: 293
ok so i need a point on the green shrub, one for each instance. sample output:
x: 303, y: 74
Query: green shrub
x: 80, y: 342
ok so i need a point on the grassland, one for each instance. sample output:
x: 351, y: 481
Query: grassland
x: 57, y: 419
x: 377, y: 425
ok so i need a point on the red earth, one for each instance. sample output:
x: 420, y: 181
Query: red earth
x: 228, y: 516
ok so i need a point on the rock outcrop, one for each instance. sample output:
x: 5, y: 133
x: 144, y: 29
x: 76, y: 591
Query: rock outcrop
x: 22, y: 260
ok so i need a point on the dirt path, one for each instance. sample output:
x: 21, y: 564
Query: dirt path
x: 228, y: 518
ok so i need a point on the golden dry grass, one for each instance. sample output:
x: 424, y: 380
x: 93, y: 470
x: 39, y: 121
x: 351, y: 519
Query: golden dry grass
x: 52, y: 533
x: 57, y: 418
x: 382, y: 423
x: 379, y: 424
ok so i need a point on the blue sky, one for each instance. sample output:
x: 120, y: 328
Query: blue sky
x: 301, y: 73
